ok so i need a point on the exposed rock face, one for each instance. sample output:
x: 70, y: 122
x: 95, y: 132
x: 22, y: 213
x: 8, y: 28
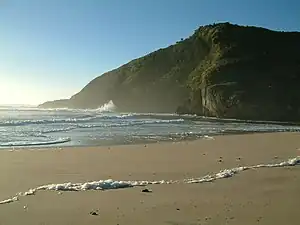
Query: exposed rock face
x: 222, y: 70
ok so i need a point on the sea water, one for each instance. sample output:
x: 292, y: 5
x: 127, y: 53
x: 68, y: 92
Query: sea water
x: 31, y: 126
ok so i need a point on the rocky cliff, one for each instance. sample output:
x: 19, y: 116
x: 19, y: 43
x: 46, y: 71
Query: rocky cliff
x: 222, y: 70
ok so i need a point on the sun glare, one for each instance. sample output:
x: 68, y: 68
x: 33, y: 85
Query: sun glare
x: 28, y: 92
x: 17, y: 93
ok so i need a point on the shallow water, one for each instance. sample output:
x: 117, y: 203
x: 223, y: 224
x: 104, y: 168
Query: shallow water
x: 25, y: 126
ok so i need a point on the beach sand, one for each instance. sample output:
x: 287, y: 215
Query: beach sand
x: 256, y: 196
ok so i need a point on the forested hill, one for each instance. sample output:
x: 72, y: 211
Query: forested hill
x: 222, y: 70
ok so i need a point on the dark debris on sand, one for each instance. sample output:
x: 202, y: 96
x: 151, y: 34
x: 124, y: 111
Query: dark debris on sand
x: 146, y: 190
x: 94, y: 213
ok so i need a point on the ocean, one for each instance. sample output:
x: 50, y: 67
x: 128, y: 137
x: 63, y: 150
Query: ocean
x: 25, y: 126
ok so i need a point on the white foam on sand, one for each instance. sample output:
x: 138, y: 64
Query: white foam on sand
x: 114, y: 184
x: 9, y: 200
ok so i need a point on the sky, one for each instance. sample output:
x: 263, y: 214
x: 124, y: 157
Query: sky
x: 50, y: 49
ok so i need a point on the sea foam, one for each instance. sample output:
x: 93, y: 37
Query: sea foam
x: 114, y: 184
x: 35, y: 143
x: 107, y: 107
x: 8, y: 123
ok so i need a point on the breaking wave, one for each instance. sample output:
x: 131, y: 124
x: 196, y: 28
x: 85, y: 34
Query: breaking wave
x: 45, y: 121
x: 107, y: 107
x: 132, y: 123
x: 64, y: 129
x: 86, y: 120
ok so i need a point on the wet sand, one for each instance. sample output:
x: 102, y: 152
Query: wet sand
x: 256, y: 196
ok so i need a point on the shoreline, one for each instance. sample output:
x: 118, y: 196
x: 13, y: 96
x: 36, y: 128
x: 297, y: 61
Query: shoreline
x: 187, y: 139
x: 269, y: 195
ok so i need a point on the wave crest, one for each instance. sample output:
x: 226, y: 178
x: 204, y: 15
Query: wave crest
x: 45, y: 121
x: 107, y: 107
x: 132, y: 123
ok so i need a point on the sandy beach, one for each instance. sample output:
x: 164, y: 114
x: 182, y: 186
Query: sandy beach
x: 256, y: 196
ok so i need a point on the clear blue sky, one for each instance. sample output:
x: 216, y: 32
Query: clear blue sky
x: 50, y: 49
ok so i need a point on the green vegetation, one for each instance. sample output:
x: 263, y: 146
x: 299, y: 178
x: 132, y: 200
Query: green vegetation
x: 222, y: 70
